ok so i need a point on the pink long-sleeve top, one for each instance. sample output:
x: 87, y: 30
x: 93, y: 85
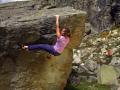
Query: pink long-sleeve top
x: 61, y: 43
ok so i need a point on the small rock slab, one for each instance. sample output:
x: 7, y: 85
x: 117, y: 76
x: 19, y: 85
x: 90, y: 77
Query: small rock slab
x: 107, y: 75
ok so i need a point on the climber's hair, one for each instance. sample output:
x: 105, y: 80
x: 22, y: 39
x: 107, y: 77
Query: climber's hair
x: 67, y: 31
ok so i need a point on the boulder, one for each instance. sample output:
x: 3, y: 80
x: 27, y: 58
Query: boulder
x: 107, y: 75
x: 32, y: 70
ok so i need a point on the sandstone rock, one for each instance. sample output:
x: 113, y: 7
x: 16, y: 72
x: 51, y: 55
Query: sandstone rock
x: 33, y: 70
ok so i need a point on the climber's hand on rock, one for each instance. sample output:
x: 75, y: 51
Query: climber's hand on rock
x: 57, y: 16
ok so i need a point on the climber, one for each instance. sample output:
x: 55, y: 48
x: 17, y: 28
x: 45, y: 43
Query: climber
x: 108, y: 56
x: 109, y: 53
x: 63, y: 38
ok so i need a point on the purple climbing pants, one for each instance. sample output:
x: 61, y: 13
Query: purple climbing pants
x: 45, y: 47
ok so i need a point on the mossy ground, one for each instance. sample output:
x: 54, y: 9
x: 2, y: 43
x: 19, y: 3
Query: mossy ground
x: 87, y: 86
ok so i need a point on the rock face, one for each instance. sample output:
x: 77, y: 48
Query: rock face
x: 103, y: 77
x: 99, y: 11
x: 102, y: 14
x: 32, y: 70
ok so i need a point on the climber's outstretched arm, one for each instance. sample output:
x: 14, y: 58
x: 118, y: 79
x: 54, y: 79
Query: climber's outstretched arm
x: 57, y: 26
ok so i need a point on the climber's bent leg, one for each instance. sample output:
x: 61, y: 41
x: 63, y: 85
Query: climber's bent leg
x: 46, y: 47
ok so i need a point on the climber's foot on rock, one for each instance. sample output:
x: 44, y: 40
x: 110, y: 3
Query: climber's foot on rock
x: 24, y: 47
x: 21, y: 46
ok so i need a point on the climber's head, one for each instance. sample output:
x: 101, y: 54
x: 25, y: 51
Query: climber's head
x: 65, y: 32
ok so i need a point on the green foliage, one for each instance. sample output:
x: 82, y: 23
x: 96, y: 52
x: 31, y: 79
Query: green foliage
x: 71, y: 87
x: 87, y: 86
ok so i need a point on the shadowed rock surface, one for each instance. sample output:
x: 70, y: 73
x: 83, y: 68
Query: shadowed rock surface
x: 23, y: 70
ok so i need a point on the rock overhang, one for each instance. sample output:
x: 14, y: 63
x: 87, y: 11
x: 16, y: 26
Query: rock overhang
x: 33, y: 70
x: 32, y: 27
